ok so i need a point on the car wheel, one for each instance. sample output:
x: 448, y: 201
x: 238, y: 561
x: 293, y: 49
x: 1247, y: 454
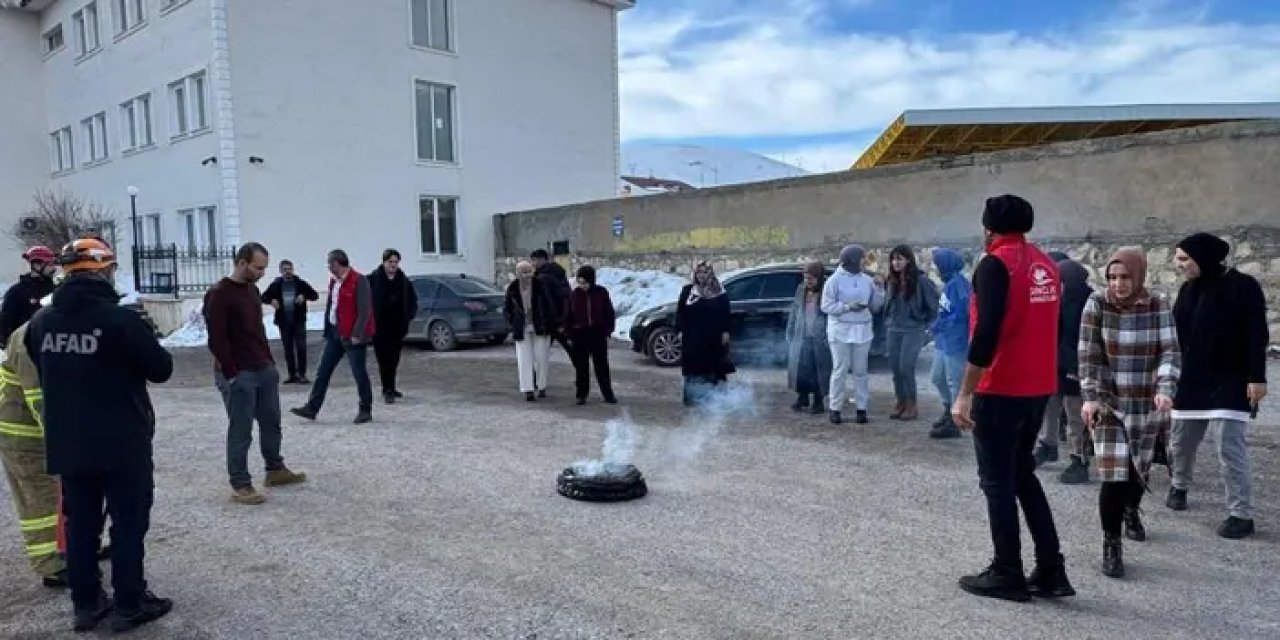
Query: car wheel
x: 616, y: 484
x: 497, y: 340
x: 665, y: 347
x: 441, y: 336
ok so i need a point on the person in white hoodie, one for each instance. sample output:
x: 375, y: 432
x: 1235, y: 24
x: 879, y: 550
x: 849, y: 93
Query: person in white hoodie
x: 849, y: 299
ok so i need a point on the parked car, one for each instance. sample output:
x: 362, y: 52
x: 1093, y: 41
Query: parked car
x: 759, y: 299
x: 454, y: 309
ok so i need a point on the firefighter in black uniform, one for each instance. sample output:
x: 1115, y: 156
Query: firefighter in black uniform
x: 94, y: 359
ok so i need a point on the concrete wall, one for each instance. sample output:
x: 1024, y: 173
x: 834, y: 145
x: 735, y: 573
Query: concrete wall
x: 1090, y: 198
x: 330, y: 108
x: 24, y: 148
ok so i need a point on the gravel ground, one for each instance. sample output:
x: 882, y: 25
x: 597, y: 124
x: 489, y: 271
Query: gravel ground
x: 440, y: 520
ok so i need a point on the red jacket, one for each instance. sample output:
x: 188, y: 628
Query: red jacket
x: 355, y: 308
x: 591, y: 309
x: 1026, y: 359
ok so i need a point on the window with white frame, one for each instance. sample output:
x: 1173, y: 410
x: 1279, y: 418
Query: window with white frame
x: 438, y: 220
x: 431, y: 24
x: 128, y: 14
x: 135, y: 123
x: 199, y: 228
x: 434, y: 110
x: 95, y: 137
x: 87, y: 33
x: 189, y: 105
x: 150, y: 230
x: 54, y: 40
x: 61, y: 150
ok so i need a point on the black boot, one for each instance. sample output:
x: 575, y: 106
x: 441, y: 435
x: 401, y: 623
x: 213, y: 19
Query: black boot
x: 945, y: 429
x: 529, y: 397
x: 87, y: 618
x: 149, y: 610
x: 802, y: 401
x: 305, y: 411
x: 1050, y: 582
x: 942, y: 421
x: 388, y: 397
x: 363, y: 416
x: 1045, y: 453
x: 836, y: 418
x: 1112, y: 562
x: 1177, y: 499
x: 992, y: 583
x: 1077, y: 472
x: 1133, y: 528
x: 1234, y: 528
x: 861, y: 417
x: 817, y: 407
x: 55, y: 581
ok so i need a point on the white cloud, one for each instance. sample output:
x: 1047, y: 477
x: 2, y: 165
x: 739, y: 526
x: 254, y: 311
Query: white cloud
x: 767, y: 70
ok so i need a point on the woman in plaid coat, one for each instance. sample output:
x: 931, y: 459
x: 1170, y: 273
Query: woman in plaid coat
x: 1129, y: 365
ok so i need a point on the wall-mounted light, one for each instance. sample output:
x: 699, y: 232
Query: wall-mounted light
x: 256, y: 160
x: 208, y: 161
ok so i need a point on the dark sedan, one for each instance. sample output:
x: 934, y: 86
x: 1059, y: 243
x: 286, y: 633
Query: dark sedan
x: 760, y: 300
x: 454, y: 309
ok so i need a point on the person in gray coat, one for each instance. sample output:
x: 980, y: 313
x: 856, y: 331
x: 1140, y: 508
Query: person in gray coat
x: 809, y: 358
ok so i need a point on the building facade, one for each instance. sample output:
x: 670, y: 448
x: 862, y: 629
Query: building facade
x: 309, y: 125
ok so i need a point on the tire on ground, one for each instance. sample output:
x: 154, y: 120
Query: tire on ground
x: 624, y: 482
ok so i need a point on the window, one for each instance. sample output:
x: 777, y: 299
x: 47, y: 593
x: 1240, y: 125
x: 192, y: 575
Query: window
x: 108, y: 232
x: 434, y: 112
x: 425, y: 289
x: 778, y: 286
x: 61, y: 150
x: 439, y: 225
x: 166, y: 5
x: 200, y: 228
x: 95, y: 137
x: 150, y: 224
x: 744, y: 288
x: 431, y: 24
x: 135, y: 123
x: 54, y: 40
x: 86, y: 22
x: 188, y: 102
x: 128, y: 14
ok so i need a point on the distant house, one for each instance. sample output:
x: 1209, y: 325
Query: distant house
x: 637, y: 186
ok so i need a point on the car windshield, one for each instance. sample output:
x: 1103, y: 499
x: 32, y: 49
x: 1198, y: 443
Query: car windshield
x: 469, y: 287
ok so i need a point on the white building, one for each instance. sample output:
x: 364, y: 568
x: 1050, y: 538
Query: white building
x: 309, y: 125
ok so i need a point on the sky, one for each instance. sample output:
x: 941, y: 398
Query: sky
x: 813, y: 82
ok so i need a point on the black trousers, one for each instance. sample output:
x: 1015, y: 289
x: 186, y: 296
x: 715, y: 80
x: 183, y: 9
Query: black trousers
x: 1005, y: 432
x: 387, y: 349
x: 591, y: 347
x: 293, y: 338
x: 128, y: 495
x: 1115, y: 497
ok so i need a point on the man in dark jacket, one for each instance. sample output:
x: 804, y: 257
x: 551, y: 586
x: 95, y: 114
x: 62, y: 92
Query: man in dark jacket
x: 1067, y: 401
x: 556, y: 281
x: 1221, y: 316
x: 289, y: 295
x: 591, y: 322
x: 395, y: 305
x: 22, y: 300
x: 95, y: 359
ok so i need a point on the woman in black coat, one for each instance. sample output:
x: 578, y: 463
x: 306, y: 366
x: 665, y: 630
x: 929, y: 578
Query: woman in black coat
x: 702, y: 318
x: 395, y: 304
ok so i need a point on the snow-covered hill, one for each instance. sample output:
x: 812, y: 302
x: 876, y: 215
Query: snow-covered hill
x: 701, y: 166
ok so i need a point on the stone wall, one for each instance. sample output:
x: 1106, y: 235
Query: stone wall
x: 1091, y: 197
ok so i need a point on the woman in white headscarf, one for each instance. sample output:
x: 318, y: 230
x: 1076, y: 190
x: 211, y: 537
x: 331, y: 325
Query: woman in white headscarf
x: 702, y: 318
x: 531, y: 315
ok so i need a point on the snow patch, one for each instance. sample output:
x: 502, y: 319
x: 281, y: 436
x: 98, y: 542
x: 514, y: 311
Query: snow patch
x: 194, y: 333
x: 635, y: 291
x: 700, y: 166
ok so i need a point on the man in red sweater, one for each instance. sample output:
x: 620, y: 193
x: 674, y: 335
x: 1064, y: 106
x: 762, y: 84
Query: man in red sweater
x: 246, y: 374
x: 1012, y: 371
x: 348, y: 330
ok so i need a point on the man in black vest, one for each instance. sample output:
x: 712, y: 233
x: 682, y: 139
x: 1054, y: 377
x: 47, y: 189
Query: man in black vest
x: 289, y: 295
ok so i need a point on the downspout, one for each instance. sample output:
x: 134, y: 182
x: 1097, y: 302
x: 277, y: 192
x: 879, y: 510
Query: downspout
x: 617, y: 113
x: 227, y: 164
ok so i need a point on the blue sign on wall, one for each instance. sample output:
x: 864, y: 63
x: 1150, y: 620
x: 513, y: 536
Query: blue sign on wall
x: 617, y: 226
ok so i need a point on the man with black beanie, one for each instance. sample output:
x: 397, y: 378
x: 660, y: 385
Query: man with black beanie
x: 1012, y: 371
x: 1221, y: 316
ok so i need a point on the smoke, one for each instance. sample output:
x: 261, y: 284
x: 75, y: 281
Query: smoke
x: 620, y: 441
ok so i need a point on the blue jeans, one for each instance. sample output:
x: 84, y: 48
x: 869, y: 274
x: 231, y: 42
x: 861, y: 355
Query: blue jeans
x: 356, y: 354
x: 946, y: 374
x: 904, y: 353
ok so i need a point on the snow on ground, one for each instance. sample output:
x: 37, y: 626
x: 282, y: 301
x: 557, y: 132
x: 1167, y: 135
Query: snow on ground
x: 636, y: 291
x: 193, y: 333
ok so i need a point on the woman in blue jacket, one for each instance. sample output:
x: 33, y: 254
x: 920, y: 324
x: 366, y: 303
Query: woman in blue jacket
x: 950, y: 336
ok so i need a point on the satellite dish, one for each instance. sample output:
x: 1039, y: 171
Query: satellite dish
x: 30, y: 224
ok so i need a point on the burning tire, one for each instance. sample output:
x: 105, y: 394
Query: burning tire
x: 615, y: 483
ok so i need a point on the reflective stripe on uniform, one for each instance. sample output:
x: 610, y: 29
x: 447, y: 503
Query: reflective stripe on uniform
x: 41, y: 549
x: 33, y: 394
x: 39, y: 524
x: 9, y: 377
x: 21, y: 430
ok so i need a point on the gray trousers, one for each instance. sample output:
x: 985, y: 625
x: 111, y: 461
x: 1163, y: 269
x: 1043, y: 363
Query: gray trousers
x: 1233, y: 457
x: 846, y: 356
x: 904, y: 353
x: 251, y: 395
x: 1075, y: 424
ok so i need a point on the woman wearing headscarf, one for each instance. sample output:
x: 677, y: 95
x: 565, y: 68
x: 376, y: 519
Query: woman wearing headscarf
x: 395, y: 305
x: 530, y: 311
x: 911, y: 306
x: 702, y: 318
x: 850, y: 298
x: 950, y: 337
x: 809, y: 359
x: 1129, y: 367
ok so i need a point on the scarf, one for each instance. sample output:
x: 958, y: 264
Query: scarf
x: 1136, y: 263
x: 851, y: 259
x: 710, y: 286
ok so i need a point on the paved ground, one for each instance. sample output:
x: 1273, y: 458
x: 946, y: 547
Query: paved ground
x: 440, y: 520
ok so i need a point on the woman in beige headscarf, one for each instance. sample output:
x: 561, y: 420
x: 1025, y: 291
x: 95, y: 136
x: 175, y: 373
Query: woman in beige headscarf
x: 531, y: 315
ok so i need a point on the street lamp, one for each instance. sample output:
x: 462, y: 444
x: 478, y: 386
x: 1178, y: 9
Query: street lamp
x: 133, y: 208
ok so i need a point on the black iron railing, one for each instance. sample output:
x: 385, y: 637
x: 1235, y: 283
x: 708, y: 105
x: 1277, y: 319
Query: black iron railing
x: 174, y: 270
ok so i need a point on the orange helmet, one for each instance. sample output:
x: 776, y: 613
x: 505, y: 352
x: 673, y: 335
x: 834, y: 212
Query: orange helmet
x: 86, y: 254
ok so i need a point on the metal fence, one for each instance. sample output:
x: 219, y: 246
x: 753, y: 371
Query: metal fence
x: 174, y: 270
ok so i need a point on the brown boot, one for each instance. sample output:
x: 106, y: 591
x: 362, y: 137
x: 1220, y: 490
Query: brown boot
x: 909, y: 411
x: 282, y: 477
x: 898, y: 408
x: 247, y: 495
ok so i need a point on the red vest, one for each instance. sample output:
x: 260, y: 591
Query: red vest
x: 346, y: 302
x: 1026, y: 362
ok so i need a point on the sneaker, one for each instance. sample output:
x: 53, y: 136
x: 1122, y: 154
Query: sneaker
x: 1236, y: 528
x: 1112, y: 558
x: 363, y: 416
x: 1050, y: 583
x: 282, y: 477
x: 946, y: 431
x: 1076, y: 473
x: 861, y: 417
x: 836, y: 418
x: 87, y: 618
x: 55, y: 581
x: 149, y: 610
x: 1133, y: 528
x: 247, y: 496
x: 1045, y: 453
x: 1177, y: 499
x: 992, y: 584
x: 304, y: 412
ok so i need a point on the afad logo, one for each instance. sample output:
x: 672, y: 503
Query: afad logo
x: 1044, y: 286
